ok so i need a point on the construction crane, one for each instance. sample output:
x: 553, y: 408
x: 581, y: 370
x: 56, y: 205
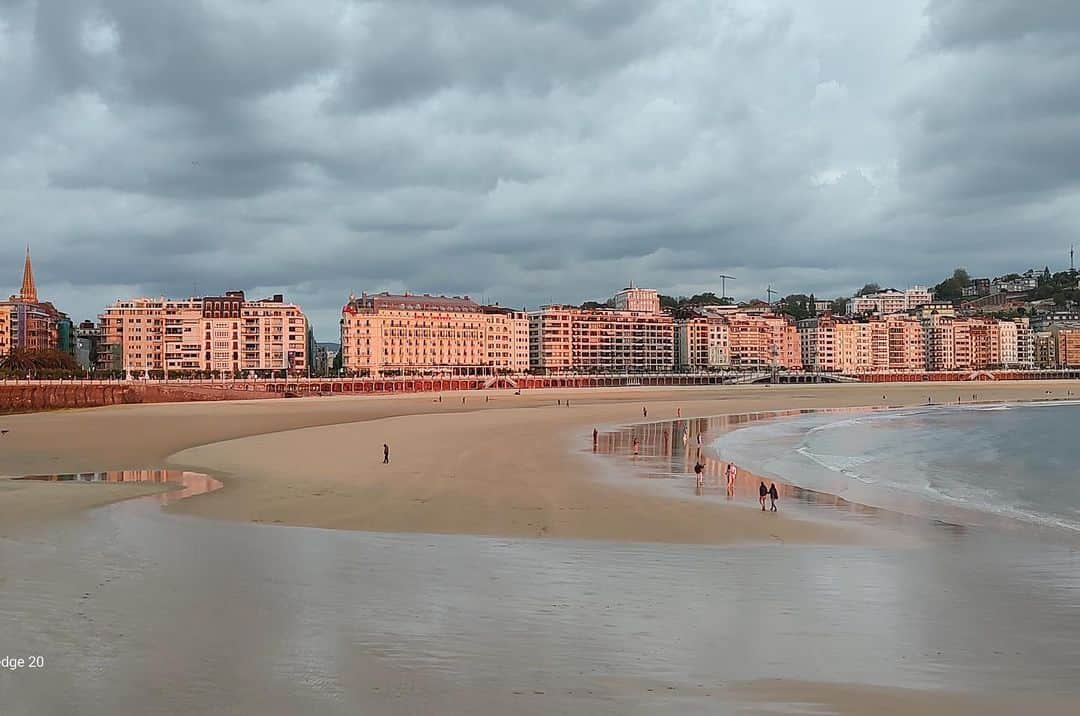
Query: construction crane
x: 769, y: 292
x: 724, y: 278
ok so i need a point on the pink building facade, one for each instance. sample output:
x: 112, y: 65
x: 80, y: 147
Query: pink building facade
x: 224, y: 335
x: 637, y: 338
x: 905, y: 343
x: 738, y: 340
x: 976, y: 343
x: 389, y: 334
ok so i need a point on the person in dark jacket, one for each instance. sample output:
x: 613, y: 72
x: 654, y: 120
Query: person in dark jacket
x: 385, y: 454
x: 773, y: 497
x: 763, y: 492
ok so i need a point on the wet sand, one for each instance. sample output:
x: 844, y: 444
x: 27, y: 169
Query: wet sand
x: 486, y: 619
x: 514, y: 466
x: 142, y: 611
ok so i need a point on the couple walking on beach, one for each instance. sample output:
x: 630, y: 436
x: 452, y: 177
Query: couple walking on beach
x: 769, y: 492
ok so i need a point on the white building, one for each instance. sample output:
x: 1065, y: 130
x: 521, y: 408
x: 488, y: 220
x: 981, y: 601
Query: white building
x: 889, y: 301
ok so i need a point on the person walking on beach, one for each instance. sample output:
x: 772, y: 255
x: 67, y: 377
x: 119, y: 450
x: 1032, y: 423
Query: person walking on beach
x: 644, y: 412
x: 763, y: 492
x: 699, y: 470
x: 595, y: 438
x: 385, y: 454
x: 678, y: 412
x: 637, y: 447
x: 773, y: 497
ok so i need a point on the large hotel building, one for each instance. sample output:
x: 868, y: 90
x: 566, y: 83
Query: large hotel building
x: 227, y: 335
x: 633, y: 337
x: 389, y: 334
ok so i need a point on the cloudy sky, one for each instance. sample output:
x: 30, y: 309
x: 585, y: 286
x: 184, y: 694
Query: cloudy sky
x: 530, y: 151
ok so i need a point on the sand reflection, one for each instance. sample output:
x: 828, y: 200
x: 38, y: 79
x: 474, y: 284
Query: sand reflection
x: 188, y: 484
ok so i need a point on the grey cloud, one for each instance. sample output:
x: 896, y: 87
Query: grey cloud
x: 531, y: 151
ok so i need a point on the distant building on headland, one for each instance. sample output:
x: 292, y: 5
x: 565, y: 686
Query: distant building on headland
x: 30, y: 324
x: 889, y: 301
x: 391, y: 334
x: 634, y: 337
x: 223, y: 335
x: 729, y: 338
x: 977, y: 288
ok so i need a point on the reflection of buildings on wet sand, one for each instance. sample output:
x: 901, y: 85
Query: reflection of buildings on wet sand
x: 189, y: 483
x: 668, y: 449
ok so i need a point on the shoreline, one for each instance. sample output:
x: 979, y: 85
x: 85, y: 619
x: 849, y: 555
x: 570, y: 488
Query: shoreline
x: 497, y: 464
x: 623, y: 578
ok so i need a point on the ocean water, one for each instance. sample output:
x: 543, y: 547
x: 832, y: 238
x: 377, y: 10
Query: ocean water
x: 1007, y: 462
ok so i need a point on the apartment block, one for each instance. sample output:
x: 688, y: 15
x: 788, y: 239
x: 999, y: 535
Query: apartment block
x: 975, y: 343
x: 1068, y: 348
x: 637, y: 338
x: 227, y: 335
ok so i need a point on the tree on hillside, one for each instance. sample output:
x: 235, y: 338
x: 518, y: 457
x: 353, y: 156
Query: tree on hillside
x: 1063, y: 287
x: 839, y: 306
x: 952, y: 288
x: 797, y: 305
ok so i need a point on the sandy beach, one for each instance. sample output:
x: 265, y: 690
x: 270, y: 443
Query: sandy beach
x: 496, y: 464
x: 512, y: 467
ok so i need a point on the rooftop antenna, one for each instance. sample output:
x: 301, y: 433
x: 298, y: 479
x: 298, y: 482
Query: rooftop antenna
x: 724, y: 278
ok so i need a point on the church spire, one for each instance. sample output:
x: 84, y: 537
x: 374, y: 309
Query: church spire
x: 28, y: 292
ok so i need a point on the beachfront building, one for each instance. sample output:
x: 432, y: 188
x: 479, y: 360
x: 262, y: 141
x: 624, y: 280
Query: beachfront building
x: 764, y: 340
x: 907, y: 343
x: 29, y: 324
x: 5, y: 331
x: 636, y: 338
x: 224, y: 335
x: 1068, y: 348
x: 977, y: 343
x: 1045, y: 349
x: 702, y: 343
x: 889, y: 301
x: 390, y: 334
x: 844, y: 345
x: 721, y: 337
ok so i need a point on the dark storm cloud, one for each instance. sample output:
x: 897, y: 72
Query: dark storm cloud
x: 527, y: 152
x: 997, y: 125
